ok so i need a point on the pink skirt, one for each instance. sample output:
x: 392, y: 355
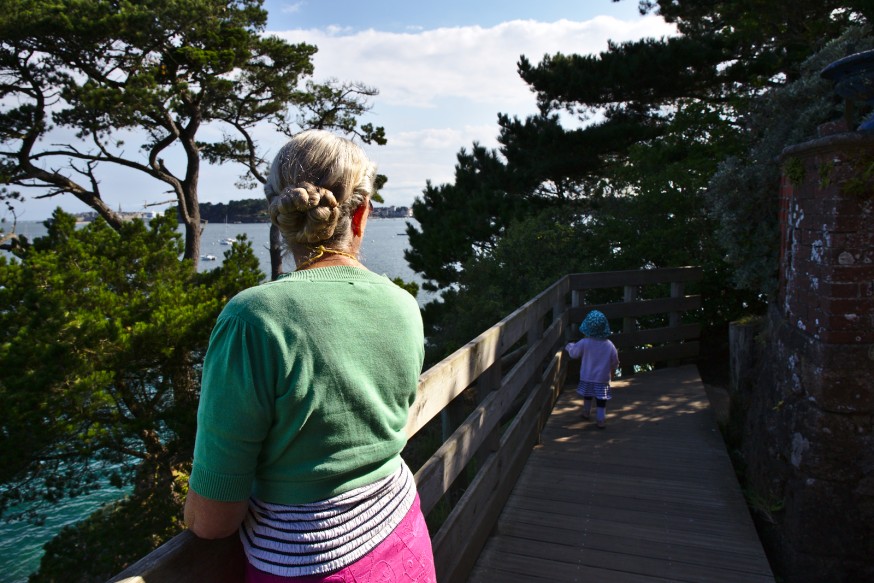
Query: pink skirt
x: 405, y: 555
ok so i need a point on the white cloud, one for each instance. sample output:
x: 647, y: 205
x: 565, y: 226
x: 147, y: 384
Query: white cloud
x: 472, y: 63
x: 438, y: 138
x: 413, y: 157
x: 293, y: 8
x: 441, y: 89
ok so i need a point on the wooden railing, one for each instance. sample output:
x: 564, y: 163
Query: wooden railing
x: 505, y: 382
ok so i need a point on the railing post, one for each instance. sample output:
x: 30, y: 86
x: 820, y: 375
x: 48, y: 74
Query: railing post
x: 534, y: 332
x: 678, y: 290
x: 489, y: 381
x: 629, y: 324
x: 578, y: 297
x: 559, y: 307
x: 451, y: 417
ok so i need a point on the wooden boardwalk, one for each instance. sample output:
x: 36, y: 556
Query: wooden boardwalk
x: 651, y: 498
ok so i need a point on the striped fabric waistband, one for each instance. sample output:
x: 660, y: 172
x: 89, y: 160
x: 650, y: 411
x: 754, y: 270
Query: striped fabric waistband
x: 324, y: 536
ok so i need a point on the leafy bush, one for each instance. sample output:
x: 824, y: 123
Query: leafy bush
x: 743, y: 194
x: 102, y: 335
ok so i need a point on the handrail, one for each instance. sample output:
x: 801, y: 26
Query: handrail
x: 524, y: 394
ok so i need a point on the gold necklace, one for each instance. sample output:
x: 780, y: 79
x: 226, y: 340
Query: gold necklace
x: 320, y: 252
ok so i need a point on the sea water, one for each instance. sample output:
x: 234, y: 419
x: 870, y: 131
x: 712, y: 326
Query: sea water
x: 382, y: 252
x: 385, y: 241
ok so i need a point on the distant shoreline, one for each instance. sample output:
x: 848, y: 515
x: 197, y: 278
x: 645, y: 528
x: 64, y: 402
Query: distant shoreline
x: 239, y: 212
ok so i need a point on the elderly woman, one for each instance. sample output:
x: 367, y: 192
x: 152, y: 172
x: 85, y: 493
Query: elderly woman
x: 306, y: 389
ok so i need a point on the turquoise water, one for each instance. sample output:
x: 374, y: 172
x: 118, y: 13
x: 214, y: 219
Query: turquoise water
x: 382, y: 252
x: 21, y: 542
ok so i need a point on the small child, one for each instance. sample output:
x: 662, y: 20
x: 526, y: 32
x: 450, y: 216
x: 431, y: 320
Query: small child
x: 599, y: 360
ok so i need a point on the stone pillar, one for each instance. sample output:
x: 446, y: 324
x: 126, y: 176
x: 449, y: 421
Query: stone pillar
x: 810, y: 429
x: 827, y: 255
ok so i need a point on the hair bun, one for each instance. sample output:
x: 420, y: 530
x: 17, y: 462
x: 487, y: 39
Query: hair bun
x: 305, y: 213
x: 301, y: 199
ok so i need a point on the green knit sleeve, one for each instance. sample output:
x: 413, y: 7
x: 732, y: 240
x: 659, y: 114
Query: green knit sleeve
x: 235, y: 411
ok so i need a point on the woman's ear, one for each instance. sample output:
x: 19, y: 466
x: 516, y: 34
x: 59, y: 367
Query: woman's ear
x: 358, y: 220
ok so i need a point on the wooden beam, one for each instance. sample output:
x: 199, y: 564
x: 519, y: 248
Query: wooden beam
x: 437, y: 474
x: 602, y: 280
x: 459, y: 541
x: 186, y: 558
x: 638, y: 308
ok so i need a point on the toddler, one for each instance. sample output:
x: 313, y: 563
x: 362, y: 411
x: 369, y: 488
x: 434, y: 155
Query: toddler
x: 599, y: 360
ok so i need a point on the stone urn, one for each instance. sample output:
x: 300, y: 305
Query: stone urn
x: 853, y: 77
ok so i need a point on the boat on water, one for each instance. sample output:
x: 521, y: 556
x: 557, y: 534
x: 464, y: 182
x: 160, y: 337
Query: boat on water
x: 228, y: 241
x: 209, y: 257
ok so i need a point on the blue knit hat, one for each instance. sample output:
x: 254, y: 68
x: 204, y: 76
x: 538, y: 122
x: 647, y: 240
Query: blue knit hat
x: 595, y: 325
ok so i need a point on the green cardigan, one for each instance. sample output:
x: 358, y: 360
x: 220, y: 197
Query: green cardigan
x: 307, y: 384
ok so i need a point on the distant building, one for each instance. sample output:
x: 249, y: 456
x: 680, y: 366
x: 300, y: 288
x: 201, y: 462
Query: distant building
x: 392, y: 212
x: 88, y: 216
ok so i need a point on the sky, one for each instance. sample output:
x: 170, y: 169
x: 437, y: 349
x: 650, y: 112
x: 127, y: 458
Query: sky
x: 444, y: 70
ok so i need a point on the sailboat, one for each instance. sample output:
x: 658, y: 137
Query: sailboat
x: 227, y: 240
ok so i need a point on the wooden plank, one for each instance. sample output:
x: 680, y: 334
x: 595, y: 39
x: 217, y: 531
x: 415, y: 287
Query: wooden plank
x: 638, y: 308
x: 622, y: 560
x: 186, y: 558
x: 607, y: 279
x: 651, y: 496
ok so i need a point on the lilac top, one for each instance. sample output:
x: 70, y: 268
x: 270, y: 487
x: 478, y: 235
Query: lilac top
x: 599, y: 359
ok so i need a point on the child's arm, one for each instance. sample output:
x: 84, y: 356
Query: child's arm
x: 574, y: 349
x: 614, y: 361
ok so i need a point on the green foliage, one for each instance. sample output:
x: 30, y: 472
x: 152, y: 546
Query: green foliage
x: 660, y: 220
x: 472, y: 214
x: 860, y: 186
x: 410, y: 287
x: 102, y: 333
x: 763, y: 36
x: 252, y: 210
x: 743, y: 193
x: 655, y: 119
x: 532, y: 254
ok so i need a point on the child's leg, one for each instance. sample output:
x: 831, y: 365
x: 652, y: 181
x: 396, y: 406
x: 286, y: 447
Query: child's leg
x: 587, y: 407
x: 601, y: 411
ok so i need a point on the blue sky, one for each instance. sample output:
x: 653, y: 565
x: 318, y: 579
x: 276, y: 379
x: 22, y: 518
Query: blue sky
x: 410, y: 16
x: 444, y: 70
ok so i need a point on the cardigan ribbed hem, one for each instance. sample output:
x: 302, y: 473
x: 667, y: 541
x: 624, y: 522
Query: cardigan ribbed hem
x: 221, y: 487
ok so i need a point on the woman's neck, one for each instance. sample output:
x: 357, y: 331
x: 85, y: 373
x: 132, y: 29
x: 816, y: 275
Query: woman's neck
x: 323, y: 256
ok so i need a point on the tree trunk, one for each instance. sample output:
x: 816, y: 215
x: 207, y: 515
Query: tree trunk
x: 275, y: 252
x: 192, y: 237
x: 190, y: 207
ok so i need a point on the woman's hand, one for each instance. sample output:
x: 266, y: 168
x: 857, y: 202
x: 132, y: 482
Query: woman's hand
x: 213, y: 519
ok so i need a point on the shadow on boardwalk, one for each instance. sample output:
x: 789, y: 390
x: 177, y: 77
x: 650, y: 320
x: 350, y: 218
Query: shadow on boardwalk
x: 651, y: 498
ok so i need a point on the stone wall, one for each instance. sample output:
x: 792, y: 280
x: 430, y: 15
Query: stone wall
x: 809, y: 435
